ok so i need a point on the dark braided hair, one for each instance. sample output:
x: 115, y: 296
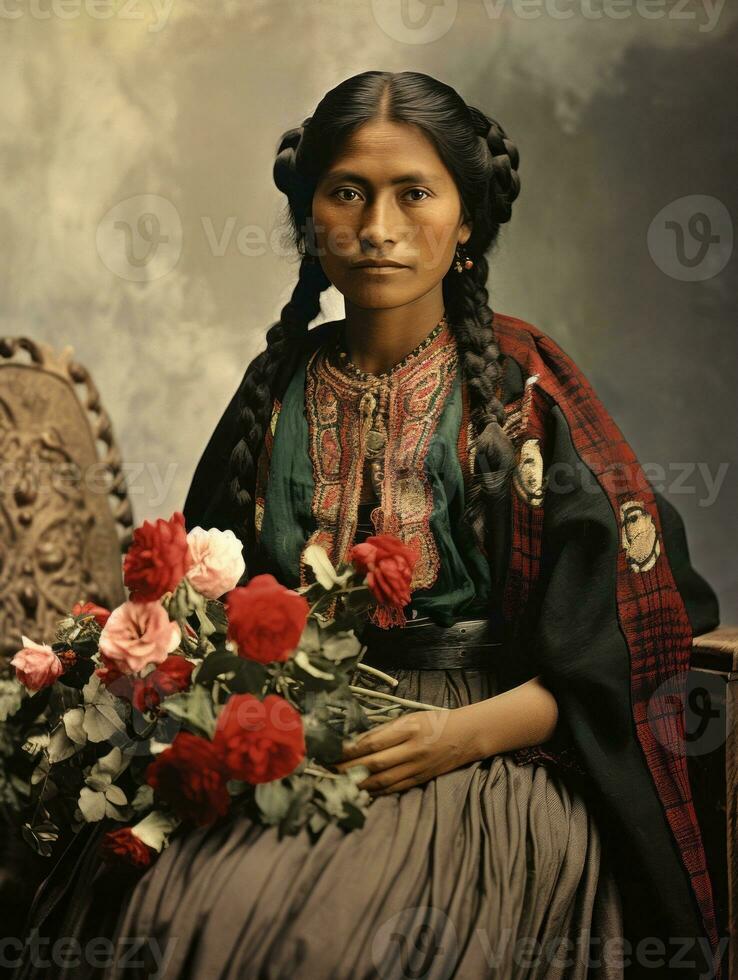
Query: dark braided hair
x: 483, y: 162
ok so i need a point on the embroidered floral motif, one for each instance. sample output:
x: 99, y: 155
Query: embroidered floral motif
x: 529, y: 480
x: 340, y: 408
x: 262, y: 467
x: 638, y: 536
x: 466, y: 447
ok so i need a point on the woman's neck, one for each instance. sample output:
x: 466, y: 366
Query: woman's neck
x: 376, y: 340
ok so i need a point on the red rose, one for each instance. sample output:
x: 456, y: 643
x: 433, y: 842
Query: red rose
x: 157, y: 560
x: 259, y: 740
x: 122, y: 847
x: 388, y: 563
x: 265, y: 619
x: 90, y: 609
x: 169, y: 677
x: 191, y: 778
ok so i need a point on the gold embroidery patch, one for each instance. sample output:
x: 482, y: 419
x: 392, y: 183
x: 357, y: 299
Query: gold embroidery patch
x: 638, y: 536
x: 528, y: 478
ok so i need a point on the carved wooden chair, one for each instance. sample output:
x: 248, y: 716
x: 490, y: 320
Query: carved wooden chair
x: 712, y: 696
x: 65, y: 520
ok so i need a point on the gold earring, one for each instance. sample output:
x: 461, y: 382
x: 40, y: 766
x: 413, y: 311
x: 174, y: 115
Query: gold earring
x: 462, y: 260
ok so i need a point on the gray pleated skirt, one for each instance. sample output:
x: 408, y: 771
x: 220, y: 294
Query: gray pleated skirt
x: 492, y: 870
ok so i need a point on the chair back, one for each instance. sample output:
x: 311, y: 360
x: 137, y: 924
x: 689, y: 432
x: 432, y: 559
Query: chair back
x: 65, y: 517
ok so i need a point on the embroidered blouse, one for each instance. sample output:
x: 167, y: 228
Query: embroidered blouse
x: 348, y: 454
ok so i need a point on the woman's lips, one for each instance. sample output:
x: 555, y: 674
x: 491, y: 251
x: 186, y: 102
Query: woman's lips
x: 380, y: 269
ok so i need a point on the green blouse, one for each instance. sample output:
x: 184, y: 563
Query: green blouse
x: 462, y: 587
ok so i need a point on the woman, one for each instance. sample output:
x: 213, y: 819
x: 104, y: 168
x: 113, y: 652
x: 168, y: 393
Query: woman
x: 548, y: 815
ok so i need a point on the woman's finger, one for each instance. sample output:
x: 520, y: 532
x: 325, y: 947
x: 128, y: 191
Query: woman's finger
x: 382, y: 737
x: 377, y: 761
x: 386, y: 779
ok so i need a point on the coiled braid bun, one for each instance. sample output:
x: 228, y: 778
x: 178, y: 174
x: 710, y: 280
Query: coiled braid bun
x: 503, y: 163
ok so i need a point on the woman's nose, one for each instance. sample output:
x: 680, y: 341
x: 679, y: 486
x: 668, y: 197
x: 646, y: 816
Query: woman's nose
x: 379, y: 225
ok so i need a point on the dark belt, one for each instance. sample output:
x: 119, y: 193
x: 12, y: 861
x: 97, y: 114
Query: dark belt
x: 424, y: 645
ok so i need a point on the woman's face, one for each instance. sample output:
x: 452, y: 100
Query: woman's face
x: 389, y: 197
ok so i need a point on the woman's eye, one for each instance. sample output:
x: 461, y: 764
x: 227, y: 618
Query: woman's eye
x: 350, y: 190
x: 346, y: 190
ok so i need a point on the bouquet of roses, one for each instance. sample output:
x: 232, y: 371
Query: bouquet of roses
x: 197, y: 696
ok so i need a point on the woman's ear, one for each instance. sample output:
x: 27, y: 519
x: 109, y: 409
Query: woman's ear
x: 465, y: 230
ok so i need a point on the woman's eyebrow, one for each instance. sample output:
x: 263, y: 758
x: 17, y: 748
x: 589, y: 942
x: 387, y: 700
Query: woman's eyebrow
x: 416, y: 177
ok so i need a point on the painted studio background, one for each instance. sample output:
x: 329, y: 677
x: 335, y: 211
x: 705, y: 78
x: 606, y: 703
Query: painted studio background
x: 139, y: 223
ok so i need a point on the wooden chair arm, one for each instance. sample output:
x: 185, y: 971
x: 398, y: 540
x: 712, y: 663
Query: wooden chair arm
x: 716, y: 650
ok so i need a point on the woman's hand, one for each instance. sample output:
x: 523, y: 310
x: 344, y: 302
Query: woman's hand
x: 415, y: 747
x: 412, y: 749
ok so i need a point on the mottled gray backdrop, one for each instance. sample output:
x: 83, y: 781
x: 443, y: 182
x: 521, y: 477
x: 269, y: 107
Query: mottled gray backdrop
x: 140, y: 224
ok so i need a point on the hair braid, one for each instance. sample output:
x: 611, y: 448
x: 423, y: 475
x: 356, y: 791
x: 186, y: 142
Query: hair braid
x: 467, y: 302
x: 285, y: 341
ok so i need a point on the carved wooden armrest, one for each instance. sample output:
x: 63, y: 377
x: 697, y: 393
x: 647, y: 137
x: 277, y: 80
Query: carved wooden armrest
x: 716, y: 650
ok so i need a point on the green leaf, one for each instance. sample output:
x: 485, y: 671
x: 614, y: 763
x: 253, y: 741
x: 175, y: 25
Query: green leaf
x: 114, y: 794
x: 323, y: 743
x: 40, y: 837
x: 144, y: 799
x: 216, y: 613
x: 249, y: 678
x: 12, y: 693
x: 341, y: 645
x: 101, y: 722
x: 60, y: 746
x: 354, y: 817
x: 195, y: 708
x: 317, y: 558
x: 274, y: 800
x: 91, y: 804
x: 217, y: 664
x: 310, y: 671
x: 74, y: 725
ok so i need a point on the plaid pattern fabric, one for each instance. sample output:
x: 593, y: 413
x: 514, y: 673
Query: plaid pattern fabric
x: 651, y: 612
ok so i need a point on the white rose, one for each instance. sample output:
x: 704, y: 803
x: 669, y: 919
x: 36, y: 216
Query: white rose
x: 217, y: 561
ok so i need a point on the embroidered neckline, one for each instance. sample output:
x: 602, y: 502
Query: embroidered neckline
x: 348, y: 365
x: 349, y: 418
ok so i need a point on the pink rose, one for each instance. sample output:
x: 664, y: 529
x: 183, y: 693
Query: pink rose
x: 36, y: 665
x: 217, y: 561
x: 137, y: 634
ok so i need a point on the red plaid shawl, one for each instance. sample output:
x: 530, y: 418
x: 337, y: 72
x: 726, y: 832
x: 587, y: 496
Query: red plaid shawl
x: 651, y: 612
